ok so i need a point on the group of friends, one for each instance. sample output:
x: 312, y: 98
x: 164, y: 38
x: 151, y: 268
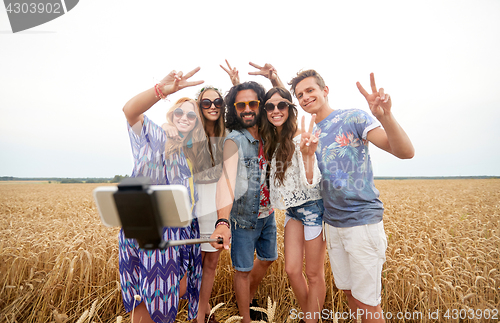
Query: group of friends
x: 241, y: 156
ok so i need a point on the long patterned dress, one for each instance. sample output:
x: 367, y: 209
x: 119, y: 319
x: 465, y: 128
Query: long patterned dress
x: 154, y: 275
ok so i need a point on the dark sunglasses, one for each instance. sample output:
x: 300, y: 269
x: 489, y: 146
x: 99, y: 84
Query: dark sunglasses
x: 207, y: 104
x: 254, y: 105
x: 191, y: 115
x: 281, y: 106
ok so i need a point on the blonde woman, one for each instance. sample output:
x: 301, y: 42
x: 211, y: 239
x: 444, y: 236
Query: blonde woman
x: 152, y: 281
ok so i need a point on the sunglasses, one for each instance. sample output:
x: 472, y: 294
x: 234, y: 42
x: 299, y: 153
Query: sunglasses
x: 191, y: 115
x: 281, y: 106
x: 206, y: 103
x: 254, y: 105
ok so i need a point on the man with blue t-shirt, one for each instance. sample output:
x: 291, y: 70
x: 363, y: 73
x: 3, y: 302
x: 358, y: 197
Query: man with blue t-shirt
x: 353, y: 213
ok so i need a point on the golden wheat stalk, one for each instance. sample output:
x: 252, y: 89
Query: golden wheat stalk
x: 442, y: 254
x: 215, y: 308
x: 233, y: 319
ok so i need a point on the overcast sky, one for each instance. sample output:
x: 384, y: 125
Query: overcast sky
x: 63, y: 84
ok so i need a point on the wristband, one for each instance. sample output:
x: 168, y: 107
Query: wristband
x: 156, y: 91
x: 223, y: 222
x: 160, y: 93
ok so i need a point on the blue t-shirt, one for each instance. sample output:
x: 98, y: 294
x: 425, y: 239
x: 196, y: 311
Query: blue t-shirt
x: 349, y: 194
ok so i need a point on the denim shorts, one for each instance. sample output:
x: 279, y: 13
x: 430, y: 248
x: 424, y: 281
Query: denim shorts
x: 244, y: 243
x: 310, y: 213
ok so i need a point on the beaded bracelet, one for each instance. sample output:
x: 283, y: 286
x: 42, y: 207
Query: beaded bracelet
x: 159, y: 92
x: 222, y: 221
x: 156, y: 91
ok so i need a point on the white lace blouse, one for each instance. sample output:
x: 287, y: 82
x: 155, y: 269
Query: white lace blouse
x: 295, y: 189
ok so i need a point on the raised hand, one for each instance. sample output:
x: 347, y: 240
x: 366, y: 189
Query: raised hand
x: 379, y: 102
x: 267, y: 71
x: 176, y: 81
x: 308, y: 140
x: 308, y: 144
x: 232, y: 72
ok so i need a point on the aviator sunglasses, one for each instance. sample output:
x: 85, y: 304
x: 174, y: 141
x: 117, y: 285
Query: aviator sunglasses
x: 191, y: 115
x: 254, y: 105
x: 206, y: 103
x: 281, y: 106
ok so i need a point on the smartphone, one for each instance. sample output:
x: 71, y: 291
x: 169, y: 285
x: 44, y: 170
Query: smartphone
x: 172, y: 204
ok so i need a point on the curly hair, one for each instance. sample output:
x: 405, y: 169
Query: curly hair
x: 232, y: 121
x: 280, y: 145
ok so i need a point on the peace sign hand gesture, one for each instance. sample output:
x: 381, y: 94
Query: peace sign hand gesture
x: 379, y: 102
x: 267, y: 71
x: 308, y: 144
x: 232, y: 72
x: 176, y: 81
x: 308, y: 140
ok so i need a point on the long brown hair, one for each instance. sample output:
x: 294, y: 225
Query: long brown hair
x: 220, y: 128
x: 282, y: 145
x: 209, y: 156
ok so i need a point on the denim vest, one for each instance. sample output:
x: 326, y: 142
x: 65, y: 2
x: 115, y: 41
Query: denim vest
x: 245, y: 210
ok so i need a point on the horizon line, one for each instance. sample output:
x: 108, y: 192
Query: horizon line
x: 6, y: 178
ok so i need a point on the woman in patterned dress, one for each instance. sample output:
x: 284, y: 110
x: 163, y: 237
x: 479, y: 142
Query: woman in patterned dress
x: 152, y: 281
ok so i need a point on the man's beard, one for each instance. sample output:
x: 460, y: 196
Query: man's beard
x: 248, y: 124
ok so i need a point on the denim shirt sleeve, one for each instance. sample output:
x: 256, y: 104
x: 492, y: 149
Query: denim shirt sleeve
x: 245, y: 210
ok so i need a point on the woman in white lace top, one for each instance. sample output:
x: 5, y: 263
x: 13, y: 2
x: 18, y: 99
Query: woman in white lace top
x: 290, y: 190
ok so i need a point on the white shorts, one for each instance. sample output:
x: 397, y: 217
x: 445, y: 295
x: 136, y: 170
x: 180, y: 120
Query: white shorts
x: 357, y: 255
x: 206, y: 211
x: 310, y: 232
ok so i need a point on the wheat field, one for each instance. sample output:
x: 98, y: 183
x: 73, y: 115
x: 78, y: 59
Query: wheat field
x: 59, y: 264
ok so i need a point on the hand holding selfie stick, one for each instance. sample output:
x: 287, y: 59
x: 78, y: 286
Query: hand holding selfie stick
x: 172, y: 243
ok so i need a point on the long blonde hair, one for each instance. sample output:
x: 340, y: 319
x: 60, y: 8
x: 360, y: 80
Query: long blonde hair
x: 197, y: 134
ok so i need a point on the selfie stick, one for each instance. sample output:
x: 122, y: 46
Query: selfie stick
x: 172, y: 243
x: 138, y: 211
